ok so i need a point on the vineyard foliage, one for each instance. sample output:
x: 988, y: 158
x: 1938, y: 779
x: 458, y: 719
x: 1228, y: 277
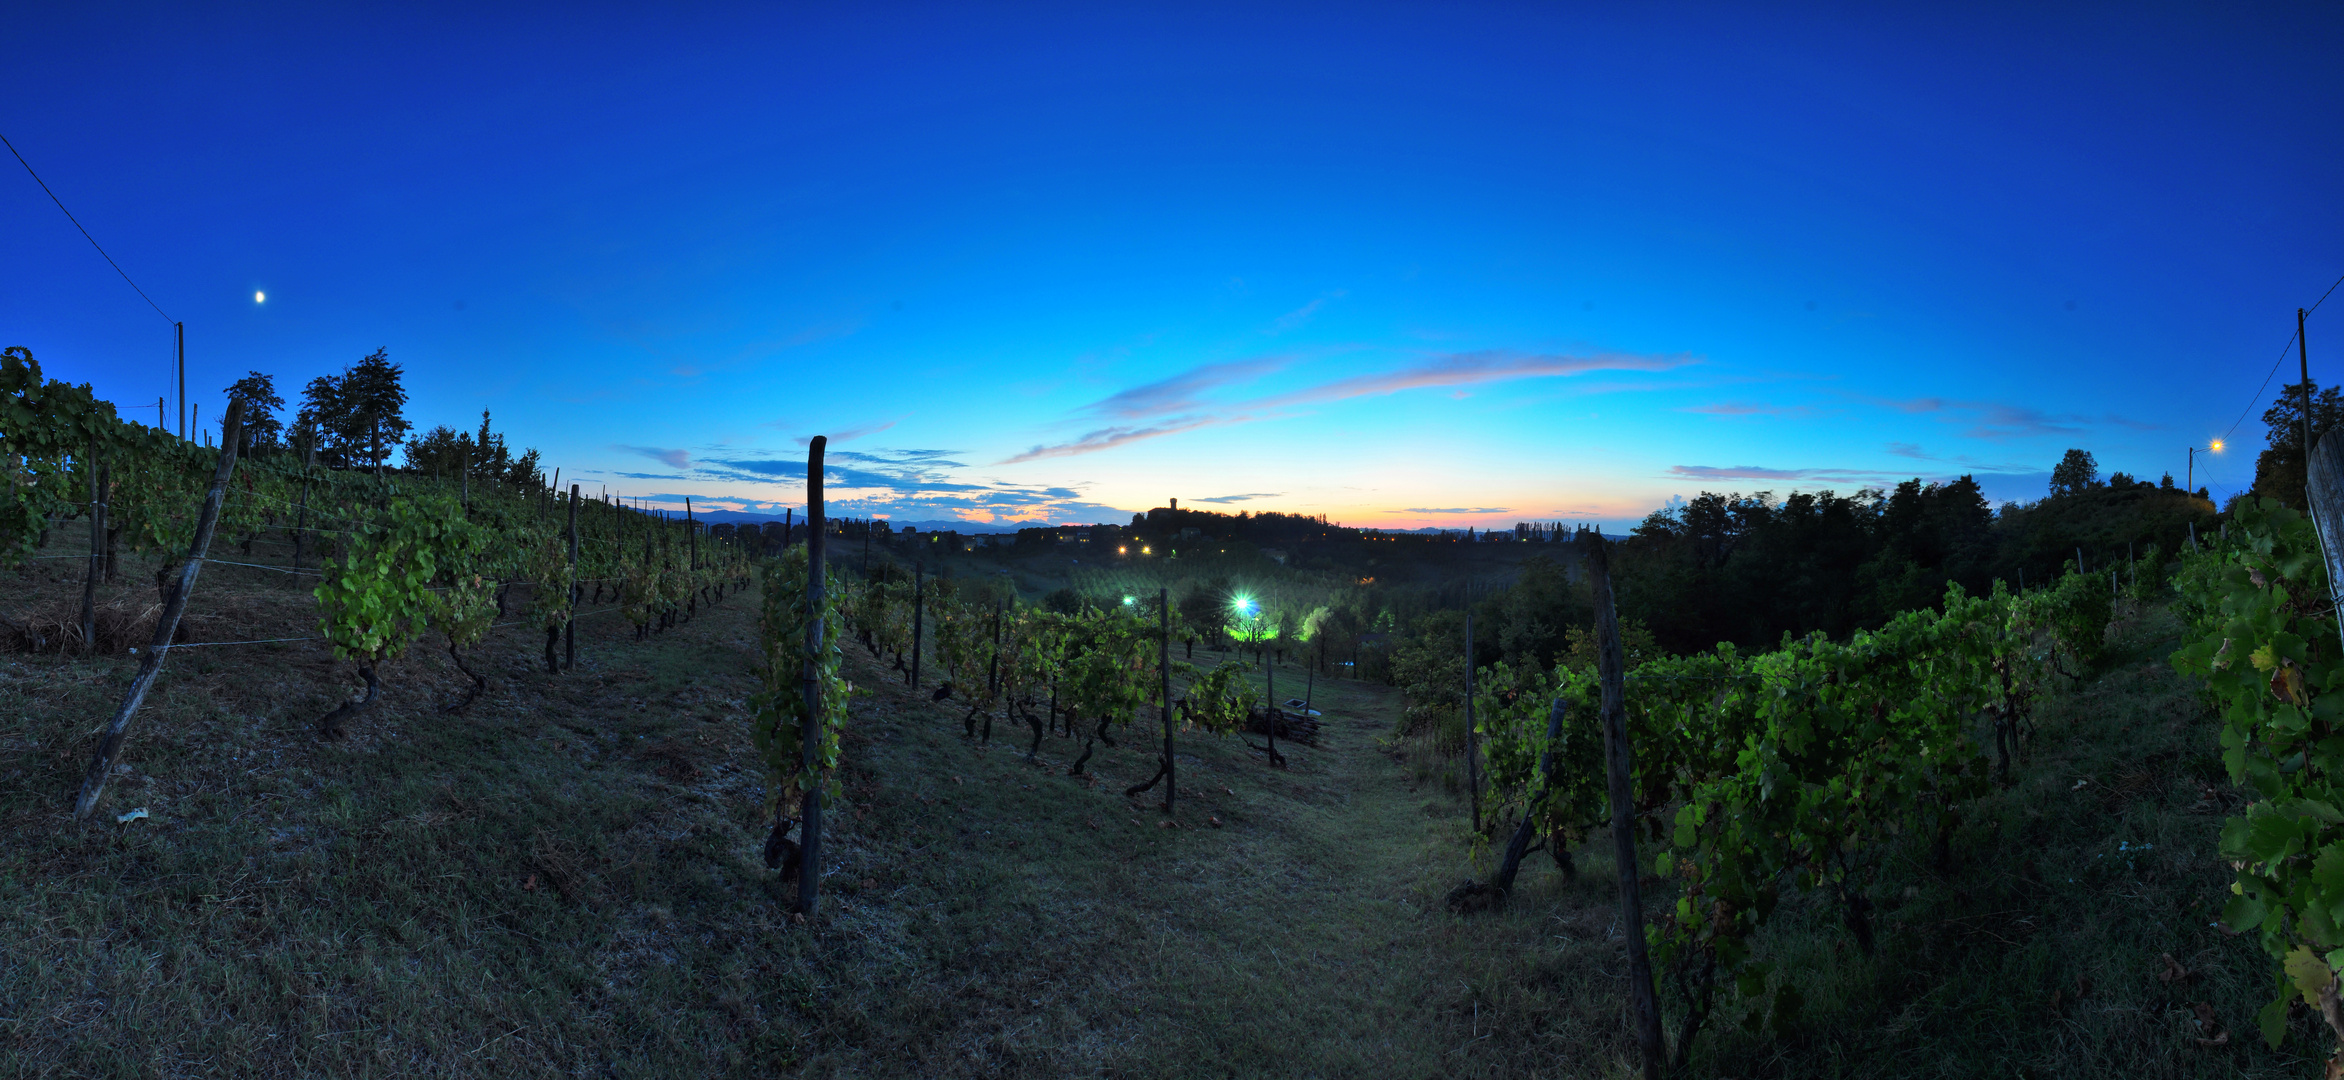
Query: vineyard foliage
x: 396, y: 555
x: 782, y: 719
x: 1792, y: 768
x: 2264, y: 639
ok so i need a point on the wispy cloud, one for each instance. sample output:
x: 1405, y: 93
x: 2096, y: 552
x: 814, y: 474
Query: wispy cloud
x: 1185, y: 391
x: 1242, y: 498
x: 674, y: 459
x: 1182, y: 402
x: 2000, y: 421
x: 1110, y: 438
x: 1752, y: 408
x: 1302, y: 314
x: 1739, y: 472
x: 1473, y: 368
x: 1911, y: 450
x: 1755, y: 472
x: 853, y: 433
x: 914, y: 483
x: 1455, y: 510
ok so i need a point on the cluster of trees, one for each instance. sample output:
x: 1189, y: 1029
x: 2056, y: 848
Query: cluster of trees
x: 1268, y: 527
x: 1749, y: 569
x: 356, y: 419
x: 2279, y: 470
x: 443, y: 451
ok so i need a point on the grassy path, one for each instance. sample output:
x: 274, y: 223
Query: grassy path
x: 566, y: 881
x: 1303, y: 936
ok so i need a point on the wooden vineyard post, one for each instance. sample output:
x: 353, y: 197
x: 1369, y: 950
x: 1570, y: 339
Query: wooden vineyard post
x: 993, y: 671
x: 1472, y: 767
x: 1619, y: 769
x: 919, y: 606
x: 809, y: 741
x: 166, y: 624
x: 570, y: 625
x: 1164, y: 672
x: 301, y: 523
x: 788, y: 528
x: 692, y: 545
x: 89, y: 585
x: 1270, y: 713
x: 2324, y: 485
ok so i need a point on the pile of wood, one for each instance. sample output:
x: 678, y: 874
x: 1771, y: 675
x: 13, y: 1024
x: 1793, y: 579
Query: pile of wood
x: 1292, y: 726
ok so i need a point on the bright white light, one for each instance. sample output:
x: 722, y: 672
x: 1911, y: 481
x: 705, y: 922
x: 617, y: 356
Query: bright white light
x: 259, y: 296
x: 1128, y: 601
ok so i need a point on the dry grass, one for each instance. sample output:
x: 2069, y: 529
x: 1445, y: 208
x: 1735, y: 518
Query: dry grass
x: 566, y: 881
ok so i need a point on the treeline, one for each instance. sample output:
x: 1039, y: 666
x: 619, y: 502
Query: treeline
x: 1748, y: 569
x: 357, y: 419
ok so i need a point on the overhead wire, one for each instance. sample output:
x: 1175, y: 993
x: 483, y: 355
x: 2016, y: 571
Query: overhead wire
x: 85, y: 233
x: 2258, y: 391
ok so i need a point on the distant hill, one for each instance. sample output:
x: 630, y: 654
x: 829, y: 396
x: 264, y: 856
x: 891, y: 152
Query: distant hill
x: 965, y: 528
x: 935, y: 525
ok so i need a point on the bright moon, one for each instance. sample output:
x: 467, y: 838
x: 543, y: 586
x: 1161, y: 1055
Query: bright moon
x: 258, y: 297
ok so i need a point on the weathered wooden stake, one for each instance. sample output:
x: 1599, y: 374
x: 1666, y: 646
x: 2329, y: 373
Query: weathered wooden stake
x: 89, y: 585
x: 166, y: 624
x: 810, y: 818
x: 2324, y: 486
x: 1619, y: 767
x: 301, y: 524
x: 1472, y: 766
x: 919, y: 612
x: 570, y: 625
x: 1164, y: 671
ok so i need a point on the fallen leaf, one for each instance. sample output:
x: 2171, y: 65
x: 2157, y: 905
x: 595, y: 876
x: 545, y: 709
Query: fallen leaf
x: 2216, y: 1035
x: 530, y: 885
x: 2173, y: 972
x: 1215, y: 822
x: 1167, y: 824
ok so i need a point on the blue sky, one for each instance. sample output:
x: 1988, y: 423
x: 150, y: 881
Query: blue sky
x: 1401, y: 265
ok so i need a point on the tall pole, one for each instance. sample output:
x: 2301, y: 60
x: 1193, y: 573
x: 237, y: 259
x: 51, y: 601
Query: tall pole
x: 2189, y: 475
x: 1619, y: 770
x: 94, y: 473
x: 182, y: 329
x: 1164, y: 671
x: 570, y: 625
x: 1472, y: 768
x: 919, y: 611
x: 2303, y: 367
x: 181, y: 587
x: 1269, y: 696
x: 810, y: 853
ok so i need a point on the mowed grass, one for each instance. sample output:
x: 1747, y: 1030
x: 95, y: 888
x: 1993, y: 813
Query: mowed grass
x: 566, y: 881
